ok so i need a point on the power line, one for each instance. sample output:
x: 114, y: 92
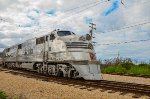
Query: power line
x: 67, y: 17
x: 146, y: 2
x: 131, y: 50
x: 127, y: 27
x: 125, y: 42
x: 144, y: 23
x: 82, y: 6
x: 77, y: 13
x: 94, y: 4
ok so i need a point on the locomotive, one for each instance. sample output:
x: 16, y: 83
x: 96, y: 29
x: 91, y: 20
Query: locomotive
x: 59, y: 53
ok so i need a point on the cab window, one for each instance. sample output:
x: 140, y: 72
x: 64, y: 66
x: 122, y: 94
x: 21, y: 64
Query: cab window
x: 64, y: 33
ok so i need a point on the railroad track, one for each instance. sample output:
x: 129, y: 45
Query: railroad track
x: 132, y: 75
x: 103, y: 85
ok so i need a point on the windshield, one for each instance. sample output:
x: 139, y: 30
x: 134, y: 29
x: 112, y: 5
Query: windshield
x: 63, y: 33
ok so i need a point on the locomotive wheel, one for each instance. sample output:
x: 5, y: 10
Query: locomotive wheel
x: 72, y: 74
x: 60, y: 74
x: 39, y: 70
x: 35, y: 67
x: 13, y: 65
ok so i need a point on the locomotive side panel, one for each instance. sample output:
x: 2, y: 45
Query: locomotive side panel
x: 57, y: 51
x: 27, y: 51
x: 10, y: 54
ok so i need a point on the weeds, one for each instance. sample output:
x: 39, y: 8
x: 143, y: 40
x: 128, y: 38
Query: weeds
x: 128, y: 68
x: 2, y: 95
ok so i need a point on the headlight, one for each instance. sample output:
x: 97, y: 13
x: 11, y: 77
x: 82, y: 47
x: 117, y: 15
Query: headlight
x: 82, y: 38
x: 90, y: 46
x: 88, y: 37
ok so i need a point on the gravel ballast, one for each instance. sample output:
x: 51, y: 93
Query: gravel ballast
x: 30, y: 88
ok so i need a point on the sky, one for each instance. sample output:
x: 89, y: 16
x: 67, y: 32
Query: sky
x: 23, y: 19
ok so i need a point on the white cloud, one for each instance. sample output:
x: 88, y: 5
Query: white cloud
x: 70, y: 15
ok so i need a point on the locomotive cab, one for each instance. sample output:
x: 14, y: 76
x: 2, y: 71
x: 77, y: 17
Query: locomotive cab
x: 79, y: 47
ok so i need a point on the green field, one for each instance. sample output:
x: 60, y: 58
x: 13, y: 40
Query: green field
x: 2, y: 95
x: 127, y: 68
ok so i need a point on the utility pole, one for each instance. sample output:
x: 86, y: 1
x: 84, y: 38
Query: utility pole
x: 92, y: 27
x: 118, y: 54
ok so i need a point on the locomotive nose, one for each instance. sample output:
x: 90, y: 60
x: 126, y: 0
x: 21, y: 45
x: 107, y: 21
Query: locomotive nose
x: 89, y: 72
x: 93, y: 77
x: 94, y: 72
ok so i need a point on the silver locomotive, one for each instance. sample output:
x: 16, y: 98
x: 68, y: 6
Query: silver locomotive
x: 59, y: 53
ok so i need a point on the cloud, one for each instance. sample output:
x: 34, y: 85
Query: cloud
x: 27, y: 25
x: 4, y: 4
x: 114, y: 6
x: 31, y: 17
x: 59, y: 2
x: 23, y: 20
x: 37, y: 11
x: 88, y: 20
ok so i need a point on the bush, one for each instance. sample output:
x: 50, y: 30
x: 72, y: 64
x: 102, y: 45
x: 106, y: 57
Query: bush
x: 139, y: 70
x: 142, y: 64
x: 2, y: 95
x: 119, y: 69
x: 106, y: 69
x: 149, y: 68
x: 127, y: 66
x: 114, y: 69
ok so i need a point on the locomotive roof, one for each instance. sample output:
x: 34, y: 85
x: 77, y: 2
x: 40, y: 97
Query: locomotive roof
x: 33, y: 38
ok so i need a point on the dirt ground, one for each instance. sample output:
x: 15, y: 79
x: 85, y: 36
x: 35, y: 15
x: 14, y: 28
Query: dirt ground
x: 22, y: 87
x: 129, y: 79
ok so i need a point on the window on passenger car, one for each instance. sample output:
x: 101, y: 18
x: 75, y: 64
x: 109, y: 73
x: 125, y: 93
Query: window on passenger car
x: 20, y: 46
x: 49, y: 48
x: 52, y: 37
x: 47, y: 38
x: 40, y: 40
x: 8, y: 49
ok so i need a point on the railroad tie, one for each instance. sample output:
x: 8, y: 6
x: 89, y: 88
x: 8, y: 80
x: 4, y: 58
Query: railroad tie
x: 91, y: 89
x: 136, y: 96
x: 84, y: 87
x: 112, y: 91
x: 123, y: 93
x: 103, y: 90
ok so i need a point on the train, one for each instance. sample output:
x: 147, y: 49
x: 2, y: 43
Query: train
x: 59, y: 53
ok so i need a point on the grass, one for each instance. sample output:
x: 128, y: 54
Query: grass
x: 128, y: 68
x: 2, y: 95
